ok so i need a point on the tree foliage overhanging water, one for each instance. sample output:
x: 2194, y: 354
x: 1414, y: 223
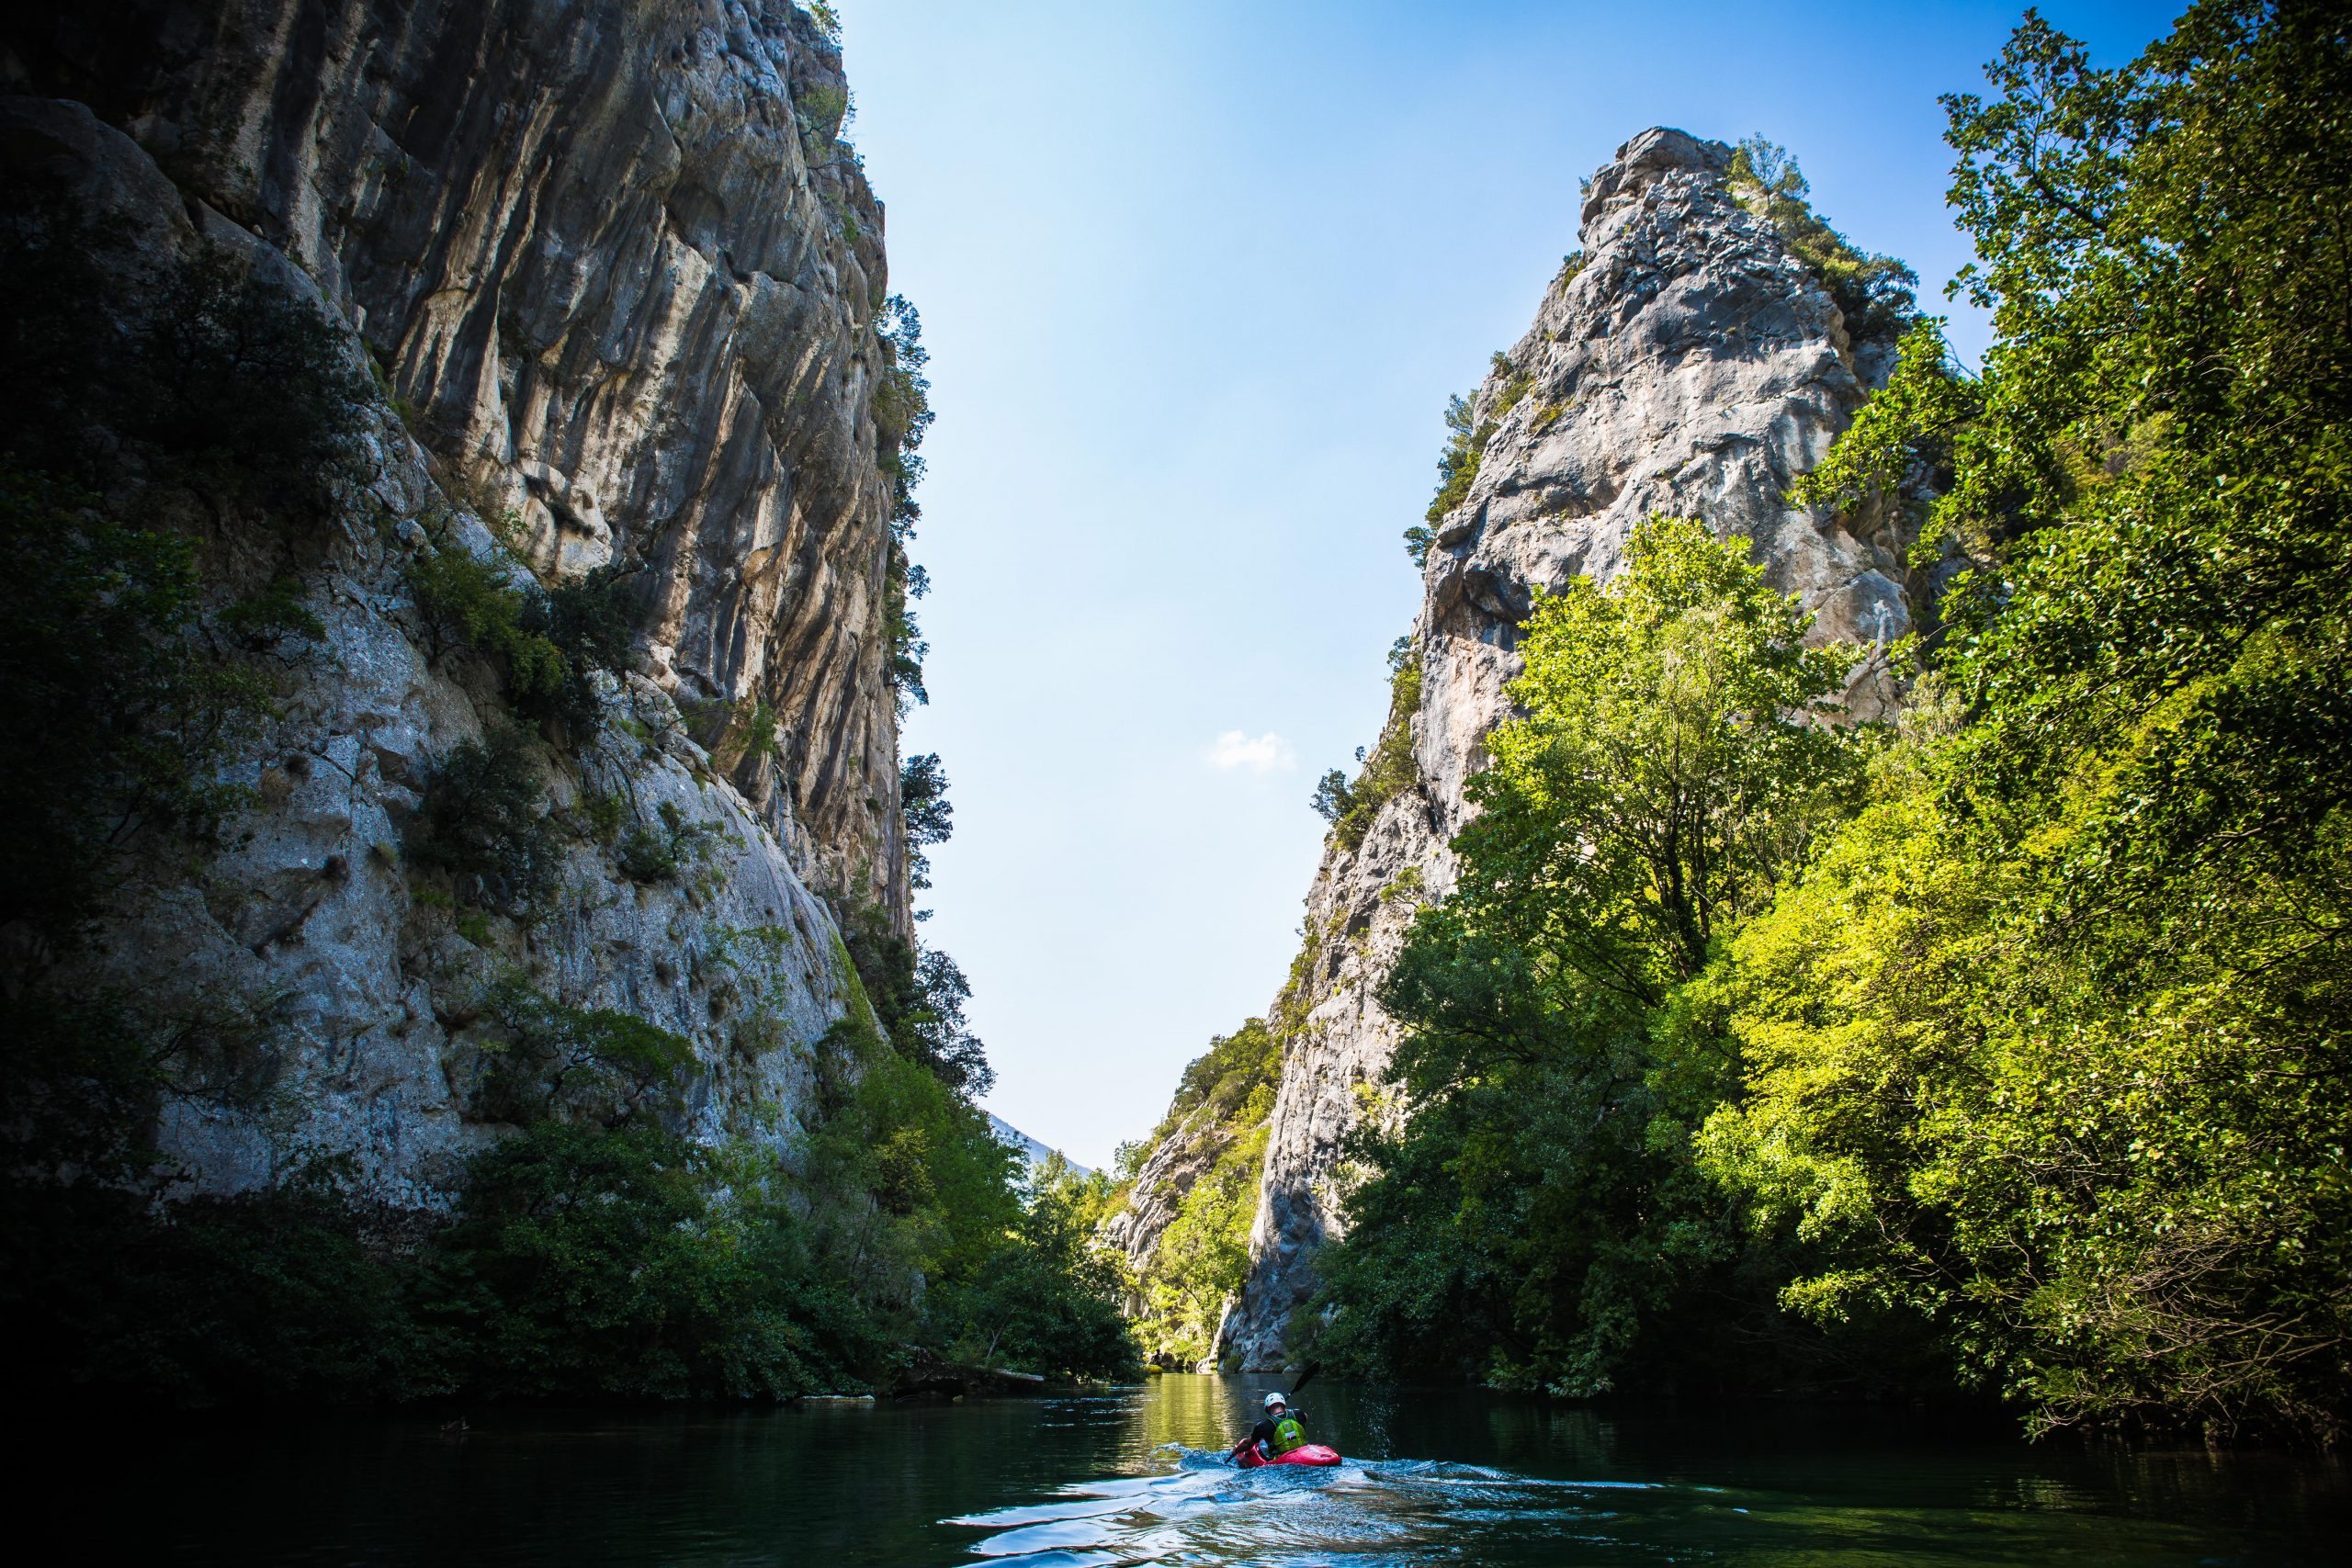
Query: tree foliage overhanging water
x: 2005, y: 1044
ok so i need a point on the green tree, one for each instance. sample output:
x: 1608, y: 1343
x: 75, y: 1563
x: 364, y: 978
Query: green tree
x: 930, y: 814
x: 1048, y: 1300
x: 1538, y: 1210
x: 902, y: 417
x: 1457, y: 470
x: 2050, y: 1047
x: 634, y: 1262
x: 918, y: 994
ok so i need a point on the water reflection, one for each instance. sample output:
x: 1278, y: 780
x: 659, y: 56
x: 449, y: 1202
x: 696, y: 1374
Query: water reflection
x: 1138, y: 1476
x: 1558, y: 1486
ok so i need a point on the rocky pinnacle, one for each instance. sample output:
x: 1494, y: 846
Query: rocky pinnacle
x: 1690, y: 365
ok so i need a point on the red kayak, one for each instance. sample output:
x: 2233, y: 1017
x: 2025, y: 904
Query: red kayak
x: 1246, y: 1455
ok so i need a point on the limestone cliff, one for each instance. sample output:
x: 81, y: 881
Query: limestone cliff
x: 1184, y: 1212
x: 613, y: 257
x: 1687, y: 362
x: 622, y: 281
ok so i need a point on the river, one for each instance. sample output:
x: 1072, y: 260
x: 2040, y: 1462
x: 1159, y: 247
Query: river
x: 1131, y: 1476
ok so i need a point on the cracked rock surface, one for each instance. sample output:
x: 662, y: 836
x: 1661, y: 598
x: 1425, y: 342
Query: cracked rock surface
x: 619, y: 278
x: 1690, y: 365
x: 613, y: 260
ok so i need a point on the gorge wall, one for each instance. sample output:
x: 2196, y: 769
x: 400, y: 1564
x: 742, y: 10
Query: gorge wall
x: 1688, y: 363
x: 623, y: 287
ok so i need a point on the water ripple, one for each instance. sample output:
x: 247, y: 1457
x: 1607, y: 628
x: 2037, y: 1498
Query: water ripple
x: 1369, y: 1513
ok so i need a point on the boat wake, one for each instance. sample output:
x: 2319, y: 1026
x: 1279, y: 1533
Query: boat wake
x: 1367, y: 1513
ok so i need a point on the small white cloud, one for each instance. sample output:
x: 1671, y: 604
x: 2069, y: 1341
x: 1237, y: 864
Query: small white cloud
x: 1266, y: 753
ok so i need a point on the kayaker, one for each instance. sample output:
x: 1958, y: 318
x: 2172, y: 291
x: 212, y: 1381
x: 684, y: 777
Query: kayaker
x: 1280, y: 1431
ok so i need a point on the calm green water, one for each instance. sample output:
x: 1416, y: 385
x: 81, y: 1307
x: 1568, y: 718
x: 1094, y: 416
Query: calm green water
x: 1133, y: 1478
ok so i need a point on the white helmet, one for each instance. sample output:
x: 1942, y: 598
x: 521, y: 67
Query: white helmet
x: 1276, y: 1400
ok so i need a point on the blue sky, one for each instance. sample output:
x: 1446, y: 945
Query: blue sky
x: 1197, y: 278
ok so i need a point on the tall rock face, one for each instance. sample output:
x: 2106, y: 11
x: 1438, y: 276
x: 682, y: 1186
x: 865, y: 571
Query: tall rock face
x: 613, y: 259
x: 620, y: 280
x: 1686, y: 364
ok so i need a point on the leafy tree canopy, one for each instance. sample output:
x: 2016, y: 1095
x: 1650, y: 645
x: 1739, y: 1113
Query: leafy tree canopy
x: 2050, y: 1047
x: 1538, y: 1213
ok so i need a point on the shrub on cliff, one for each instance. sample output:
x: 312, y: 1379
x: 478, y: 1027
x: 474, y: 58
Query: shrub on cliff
x: 1457, y: 470
x: 1387, y: 769
x: 473, y: 600
x: 485, y: 822
x: 249, y: 389
x: 543, y: 1058
x: 1874, y: 293
x: 116, y: 718
x: 224, y: 380
x: 545, y: 645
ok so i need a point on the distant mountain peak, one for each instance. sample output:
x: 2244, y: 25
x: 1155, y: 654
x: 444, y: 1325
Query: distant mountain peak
x: 1030, y: 1149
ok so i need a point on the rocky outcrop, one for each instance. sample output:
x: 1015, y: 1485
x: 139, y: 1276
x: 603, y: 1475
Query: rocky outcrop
x: 621, y: 282
x: 1179, y: 1158
x: 612, y: 257
x: 1185, y: 1213
x: 1202, y: 1153
x: 1687, y: 364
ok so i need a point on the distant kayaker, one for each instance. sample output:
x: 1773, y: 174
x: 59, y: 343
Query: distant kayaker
x: 1280, y: 1431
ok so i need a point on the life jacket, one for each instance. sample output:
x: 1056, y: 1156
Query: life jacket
x: 1289, y: 1434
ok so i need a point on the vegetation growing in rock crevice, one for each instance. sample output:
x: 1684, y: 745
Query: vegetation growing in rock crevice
x: 542, y: 1058
x: 1872, y: 292
x: 1219, y: 1113
x: 1457, y: 470
x: 902, y: 416
x: 548, y: 644
x: 485, y: 821
x: 1471, y: 422
x: 1385, y: 771
x: 663, y: 849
